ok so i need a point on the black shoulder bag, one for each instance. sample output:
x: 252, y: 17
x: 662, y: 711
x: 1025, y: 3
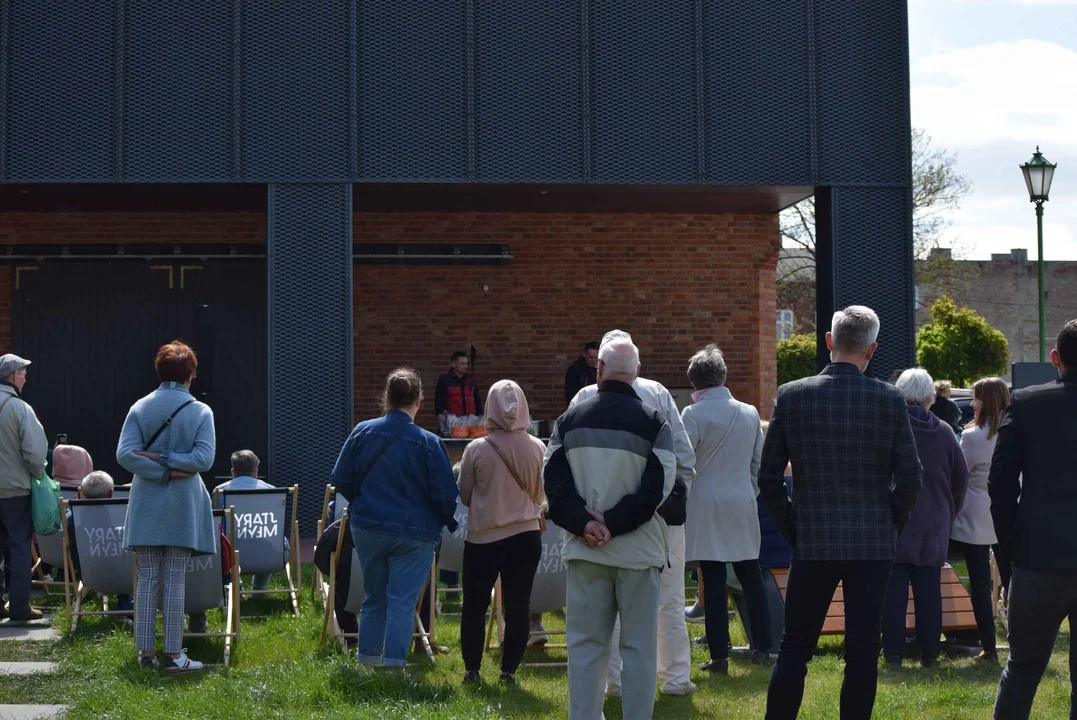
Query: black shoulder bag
x: 349, y: 490
x: 165, y: 424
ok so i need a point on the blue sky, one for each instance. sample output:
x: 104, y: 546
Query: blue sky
x: 991, y: 79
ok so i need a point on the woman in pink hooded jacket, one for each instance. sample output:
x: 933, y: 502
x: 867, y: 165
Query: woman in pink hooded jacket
x: 501, y: 484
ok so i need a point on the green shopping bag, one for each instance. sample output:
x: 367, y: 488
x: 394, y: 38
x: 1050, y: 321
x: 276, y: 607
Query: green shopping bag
x: 45, y: 504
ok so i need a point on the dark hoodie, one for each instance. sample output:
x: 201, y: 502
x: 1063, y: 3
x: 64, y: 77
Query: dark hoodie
x: 927, y: 536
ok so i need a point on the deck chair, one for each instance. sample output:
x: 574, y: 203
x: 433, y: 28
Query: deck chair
x: 261, y: 518
x: 204, y: 587
x: 49, y: 550
x: 340, y: 507
x: 452, y: 549
x: 424, y: 631
x: 107, y: 567
x: 549, y: 593
x: 122, y: 491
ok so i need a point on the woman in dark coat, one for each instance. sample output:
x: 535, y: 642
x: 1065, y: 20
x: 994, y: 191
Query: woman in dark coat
x: 921, y: 548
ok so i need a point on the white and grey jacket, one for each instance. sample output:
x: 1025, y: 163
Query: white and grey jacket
x: 612, y: 454
x: 23, y: 445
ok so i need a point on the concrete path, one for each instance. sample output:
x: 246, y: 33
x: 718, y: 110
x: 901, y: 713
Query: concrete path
x: 29, y: 631
x: 26, y: 668
x: 31, y: 712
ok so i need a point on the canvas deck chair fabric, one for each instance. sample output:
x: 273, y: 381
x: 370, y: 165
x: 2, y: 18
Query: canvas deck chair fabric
x: 262, y: 522
x: 548, y: 594
x: 49, y: 551
x: 424, y: 628
x: 107, y: 568
x: 204, y: 587
x: 340, y: 508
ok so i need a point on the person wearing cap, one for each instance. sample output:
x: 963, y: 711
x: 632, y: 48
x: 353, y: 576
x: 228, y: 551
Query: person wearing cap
x: 23, y: 446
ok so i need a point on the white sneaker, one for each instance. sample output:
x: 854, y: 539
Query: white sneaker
x: 182, y: 664
x: 680, y: 690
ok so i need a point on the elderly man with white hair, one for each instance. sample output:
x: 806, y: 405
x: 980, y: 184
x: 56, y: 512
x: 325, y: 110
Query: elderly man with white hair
x: 855, y: 480
x: 609, y: 465
x: 674, y: 648
x: 922, y: 547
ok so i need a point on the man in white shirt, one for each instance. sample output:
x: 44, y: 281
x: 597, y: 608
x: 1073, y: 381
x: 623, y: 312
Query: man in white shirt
x: 674, y: 648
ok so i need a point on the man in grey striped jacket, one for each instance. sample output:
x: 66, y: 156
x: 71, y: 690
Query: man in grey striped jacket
x: 609, y: 465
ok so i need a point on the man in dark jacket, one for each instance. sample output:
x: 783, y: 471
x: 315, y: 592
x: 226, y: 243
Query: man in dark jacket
x: 1034, y: 522
x: 855, y: 479
x: 582, y: 373
x: 944, y: 408
x: 457, y: 392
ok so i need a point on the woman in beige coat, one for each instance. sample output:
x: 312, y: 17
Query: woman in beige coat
x: 501, y: 484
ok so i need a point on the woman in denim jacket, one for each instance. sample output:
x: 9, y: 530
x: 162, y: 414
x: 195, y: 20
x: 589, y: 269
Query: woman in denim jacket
x: 400, y: 484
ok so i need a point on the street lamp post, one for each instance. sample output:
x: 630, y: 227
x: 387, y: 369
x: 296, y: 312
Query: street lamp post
x: 1038, y: 176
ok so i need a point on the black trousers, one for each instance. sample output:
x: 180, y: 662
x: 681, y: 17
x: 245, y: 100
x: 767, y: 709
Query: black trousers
x: 1039, y: 602
x: 978, y: 560
x: 927, y: 602
x: 16, y: 528
x: 808, y: 595
x: 515, y: 559
x: 717, y: 623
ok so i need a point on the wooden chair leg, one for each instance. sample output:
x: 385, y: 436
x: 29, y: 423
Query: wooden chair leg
x: 293, y: 593
x: 330, y: 600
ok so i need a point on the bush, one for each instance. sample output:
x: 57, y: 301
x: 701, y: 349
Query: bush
x: 796, y: 358
x: 959, y: 345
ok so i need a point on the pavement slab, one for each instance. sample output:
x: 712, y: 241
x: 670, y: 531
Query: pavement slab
x: 32, y: 712
x: 26, y: 668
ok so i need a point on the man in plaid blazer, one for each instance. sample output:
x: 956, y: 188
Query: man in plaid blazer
x: 856, y: 474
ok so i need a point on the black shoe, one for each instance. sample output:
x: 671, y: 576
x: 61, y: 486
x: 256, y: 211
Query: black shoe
x: 717, y: 667
x: 26, y: 615
x: 893, y: 661
x: 507, y: 679
x: 472, y: 677
x: 701, y: 641
x: 988, y: 656
x: 197, y: 623
x: 149, y: 662
x: 760, y: 657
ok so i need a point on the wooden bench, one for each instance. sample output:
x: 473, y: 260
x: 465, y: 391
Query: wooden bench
x: 956, y: 604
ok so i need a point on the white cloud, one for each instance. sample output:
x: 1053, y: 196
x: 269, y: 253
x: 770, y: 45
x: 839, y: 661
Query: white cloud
x: 1024, y: 90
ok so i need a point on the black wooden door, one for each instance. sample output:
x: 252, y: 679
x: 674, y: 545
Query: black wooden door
x: 92, y: 330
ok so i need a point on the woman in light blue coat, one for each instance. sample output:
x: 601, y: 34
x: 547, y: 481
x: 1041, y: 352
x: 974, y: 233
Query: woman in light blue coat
x: 166, y: 441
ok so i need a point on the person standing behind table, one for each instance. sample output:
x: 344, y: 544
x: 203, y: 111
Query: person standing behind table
x: 973, y: 531
x: 167, y: 439
x: 23, y: 446
x: 674, y: 648
x: 457, y: 391
x: 399, y: 482
x: 608, y: 467
x: 501, y: 485
x: 856, y: 475
x: 581, y: 373
x: 1034, y: 521
x: 944, y: 408
x: 921, y: 549
x: 723, y: 520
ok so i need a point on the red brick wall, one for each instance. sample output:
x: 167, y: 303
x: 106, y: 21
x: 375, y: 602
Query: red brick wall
x: 676, y: 282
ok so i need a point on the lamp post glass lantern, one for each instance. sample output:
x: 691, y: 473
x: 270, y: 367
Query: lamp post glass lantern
x: 1038, y: 176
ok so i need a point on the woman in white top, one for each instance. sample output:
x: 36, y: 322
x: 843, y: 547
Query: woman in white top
x: 723, y: 520
x: 973, y: 531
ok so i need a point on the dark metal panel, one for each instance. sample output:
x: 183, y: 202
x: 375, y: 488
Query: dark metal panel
x: 186, y: 132
x: 862, y: 83
x: 296, y: 93
x: 756, y: 80
x: 643, y: 84
x: 871, y: 231
x: 61, y: 91
x: 412, y: 90
x: 310, y: 379
x: 528, y: 91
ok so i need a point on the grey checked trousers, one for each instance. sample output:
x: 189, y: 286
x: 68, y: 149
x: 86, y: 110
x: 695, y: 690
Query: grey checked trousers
x: 153, y: 563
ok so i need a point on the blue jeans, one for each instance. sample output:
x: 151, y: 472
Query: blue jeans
x: 1039, y: 602
x: 394, y: 571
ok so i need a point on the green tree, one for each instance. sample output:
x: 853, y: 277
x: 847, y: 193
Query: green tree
x: 796, y: 358
x: 958, y: 345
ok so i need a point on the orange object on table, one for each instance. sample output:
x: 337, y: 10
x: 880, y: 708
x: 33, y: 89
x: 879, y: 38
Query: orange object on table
x: 459, y: 432
x: 477, y: 431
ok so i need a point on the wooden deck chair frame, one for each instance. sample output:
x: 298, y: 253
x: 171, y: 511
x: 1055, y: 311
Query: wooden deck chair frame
x: 36, y: 569
x: 291, y: 568
x: 232, y: 616
x: 81, y: 591
x: 424, y: 633
x: 317, y: 584
x: 497, y: 619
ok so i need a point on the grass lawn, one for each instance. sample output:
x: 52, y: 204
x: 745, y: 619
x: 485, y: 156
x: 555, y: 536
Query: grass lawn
x: 279, y: 671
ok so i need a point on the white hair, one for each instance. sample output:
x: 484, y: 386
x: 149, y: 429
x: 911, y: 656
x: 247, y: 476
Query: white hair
x: 614, y: 335
x: 917, y: 386
x: 619, y: 357
x: 854, y: 329
x: 97, y: 485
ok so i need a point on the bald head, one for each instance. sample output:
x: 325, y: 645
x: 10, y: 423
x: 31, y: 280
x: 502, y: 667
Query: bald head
x: 618, y: 360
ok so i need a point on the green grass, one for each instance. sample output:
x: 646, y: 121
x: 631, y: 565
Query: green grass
x: 279, y: 671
